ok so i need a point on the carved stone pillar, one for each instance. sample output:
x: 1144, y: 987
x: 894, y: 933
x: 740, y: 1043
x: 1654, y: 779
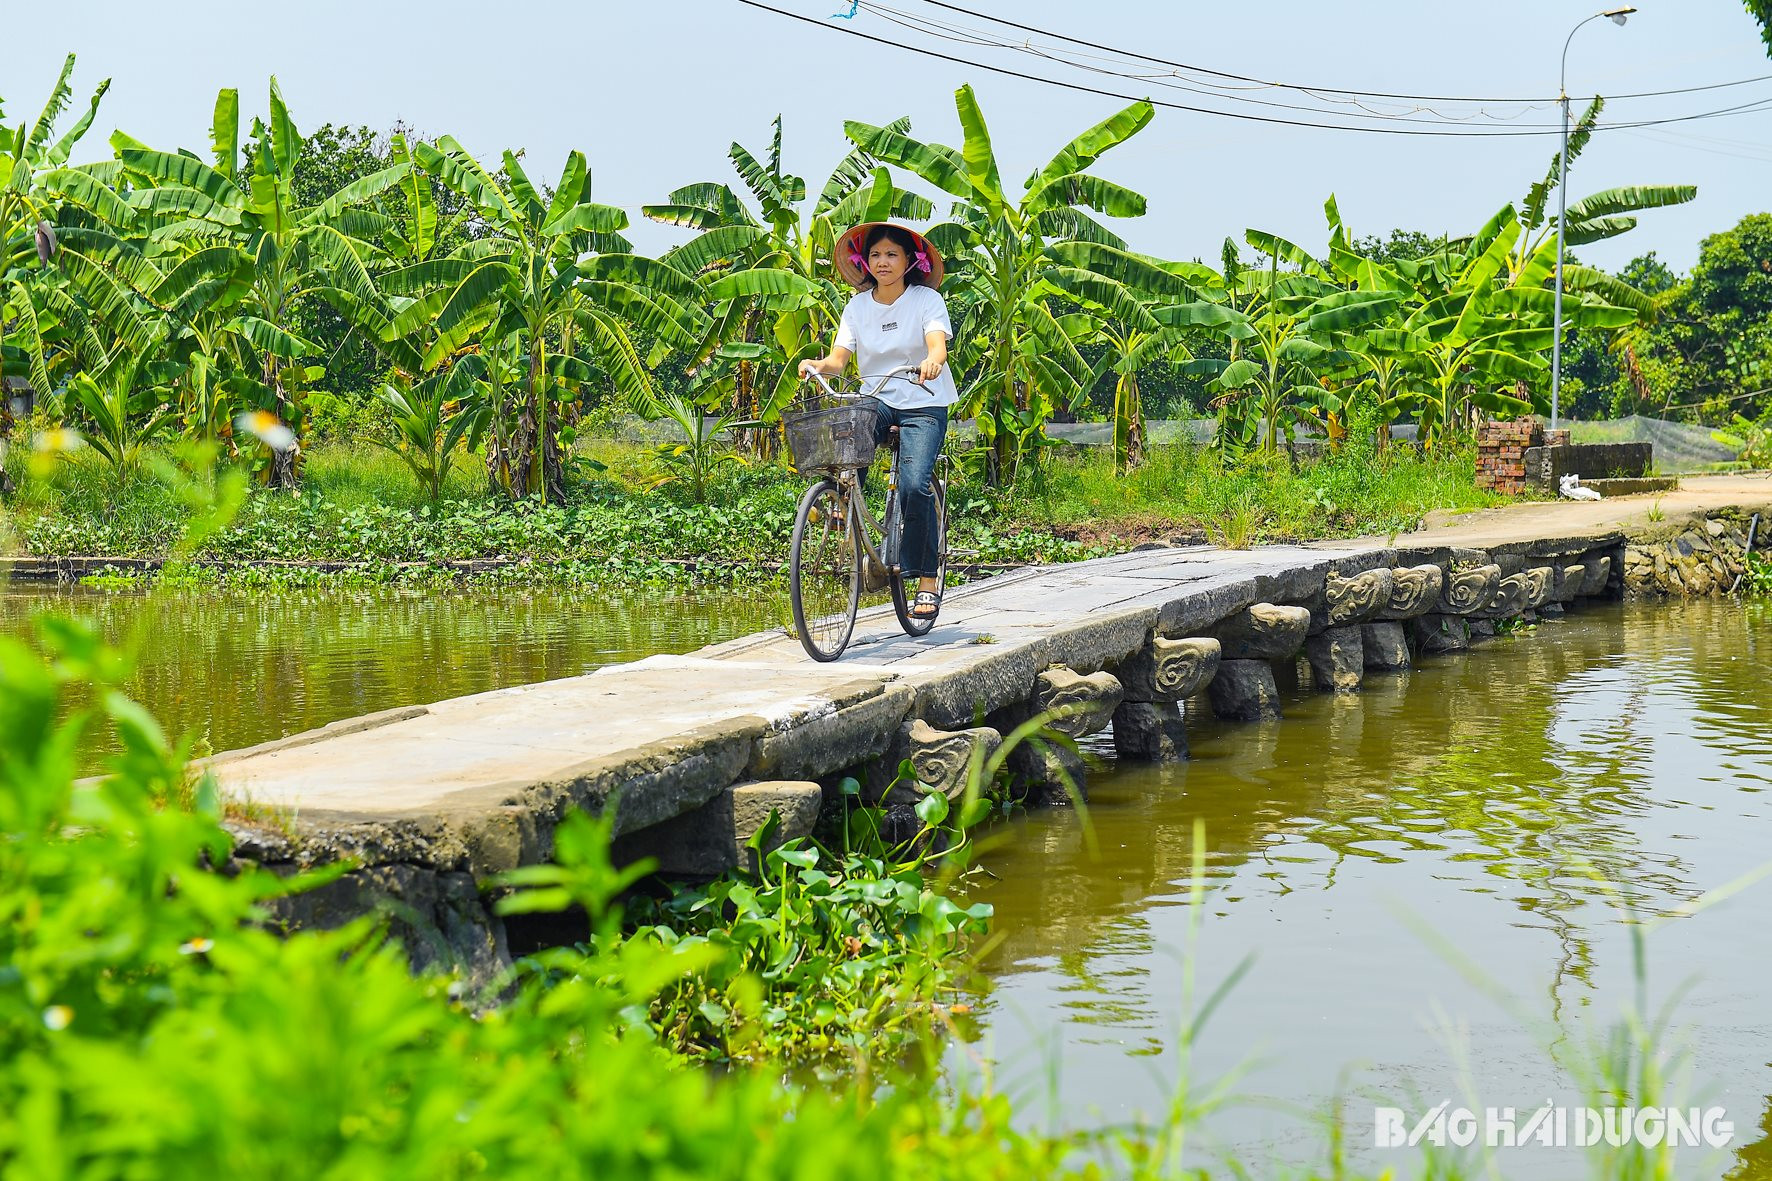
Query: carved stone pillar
x: 1512, y: 597
x: 1074, y: 706
x: 1469, y: 591
x: 1598, y: 574
x: 1414, y: 591
x: 944, y: 759
x: 1169, y: 670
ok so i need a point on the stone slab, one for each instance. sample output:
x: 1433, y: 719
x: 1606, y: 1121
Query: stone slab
x: 661, y: 736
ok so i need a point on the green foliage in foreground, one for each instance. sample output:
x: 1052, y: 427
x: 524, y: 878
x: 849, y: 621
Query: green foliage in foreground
x: 188, y: 1040
x: 359, y: 506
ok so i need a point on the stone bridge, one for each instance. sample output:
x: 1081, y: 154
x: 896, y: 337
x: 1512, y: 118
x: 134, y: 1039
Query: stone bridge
x: 693, y: 752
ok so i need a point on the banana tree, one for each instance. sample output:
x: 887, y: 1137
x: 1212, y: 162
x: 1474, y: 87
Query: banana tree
x: 433, y: 417
x: 1594, y: 218
x: 1484, y: 338
x: 240, y: 213
x: 766, y: 266
x: 552, y: 278
x: 1283, y: 328
x: 1385, y: 369
x: 121, y: 410
x: 1015, y: 360
x: 1385, y: 365
x: 1117, y: 292
x: 29, y: 153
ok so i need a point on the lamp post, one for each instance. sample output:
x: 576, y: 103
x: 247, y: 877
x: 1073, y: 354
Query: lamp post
x: 1617, y: 16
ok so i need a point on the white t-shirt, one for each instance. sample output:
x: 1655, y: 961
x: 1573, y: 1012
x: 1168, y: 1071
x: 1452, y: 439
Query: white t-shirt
x: 884, y: 336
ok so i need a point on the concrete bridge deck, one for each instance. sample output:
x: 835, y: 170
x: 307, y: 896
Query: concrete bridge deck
x: 474, y: 785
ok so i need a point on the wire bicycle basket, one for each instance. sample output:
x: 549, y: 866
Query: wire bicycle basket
x: 831, y: 434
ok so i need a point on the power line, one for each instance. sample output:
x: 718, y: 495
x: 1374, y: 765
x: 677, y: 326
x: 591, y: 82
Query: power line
x: 1744, y: 108
x: 1310, y: 89
x: 1172, y: 79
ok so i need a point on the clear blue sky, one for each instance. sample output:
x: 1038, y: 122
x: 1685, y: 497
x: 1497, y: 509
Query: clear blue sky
x: 654, y: 92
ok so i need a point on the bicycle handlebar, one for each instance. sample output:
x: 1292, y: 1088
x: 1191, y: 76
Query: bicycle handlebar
x: 879, y: 384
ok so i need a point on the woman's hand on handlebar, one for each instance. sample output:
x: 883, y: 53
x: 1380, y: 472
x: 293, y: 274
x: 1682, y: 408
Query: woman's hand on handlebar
x: 808, y: 367
x: 928, y: 371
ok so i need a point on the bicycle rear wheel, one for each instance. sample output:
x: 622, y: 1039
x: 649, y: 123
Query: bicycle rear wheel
x: 824, y: 572
x: 903, y: 598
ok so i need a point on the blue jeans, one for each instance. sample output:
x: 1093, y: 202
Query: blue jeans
x: 920, y: 434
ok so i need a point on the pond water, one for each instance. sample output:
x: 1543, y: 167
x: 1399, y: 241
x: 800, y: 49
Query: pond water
x: 1357, y: 851
x: 242, y: 667
x: 1352, y: 852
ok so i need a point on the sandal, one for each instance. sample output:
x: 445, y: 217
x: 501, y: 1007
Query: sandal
x: 926, y: 605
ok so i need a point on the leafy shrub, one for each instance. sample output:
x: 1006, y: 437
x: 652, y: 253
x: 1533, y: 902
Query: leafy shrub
x: 150, y: 1026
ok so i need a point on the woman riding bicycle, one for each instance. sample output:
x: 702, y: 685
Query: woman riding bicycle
x: 898, y: 318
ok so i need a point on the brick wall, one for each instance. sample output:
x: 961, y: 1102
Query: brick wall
x: 1501, y: 454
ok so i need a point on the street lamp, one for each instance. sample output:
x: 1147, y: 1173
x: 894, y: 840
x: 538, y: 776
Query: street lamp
x: 1617, y: 16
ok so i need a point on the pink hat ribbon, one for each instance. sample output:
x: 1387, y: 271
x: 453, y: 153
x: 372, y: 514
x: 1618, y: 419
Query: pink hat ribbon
x: 922, y: 263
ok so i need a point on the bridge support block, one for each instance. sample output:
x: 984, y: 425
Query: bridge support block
x: 1048, y: 774
x: 1264, y: 632
x: 1384, y: 647
x: 1150, y: 732
x: 1436, y: 635
x: 711, y: 839
x: 1244, y: 691
x: 1337, y: 659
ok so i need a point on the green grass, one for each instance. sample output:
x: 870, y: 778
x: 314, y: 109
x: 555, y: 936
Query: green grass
x: 1259, y: 499
x: 359, y: 505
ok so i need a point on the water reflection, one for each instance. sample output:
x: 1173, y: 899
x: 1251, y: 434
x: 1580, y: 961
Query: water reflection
x: 1481, y: 794
x: 243, y: 667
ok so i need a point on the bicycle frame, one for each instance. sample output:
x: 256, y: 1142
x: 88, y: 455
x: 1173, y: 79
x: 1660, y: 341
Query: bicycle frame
x: 850, y: 482
x: 825, y: 631
x: 861, y: 516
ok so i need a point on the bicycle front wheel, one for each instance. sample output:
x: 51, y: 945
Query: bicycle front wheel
x: 824, y: 572
x: 903, y: 596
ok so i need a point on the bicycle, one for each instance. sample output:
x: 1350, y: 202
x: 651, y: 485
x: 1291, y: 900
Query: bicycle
x: 838, y: 544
